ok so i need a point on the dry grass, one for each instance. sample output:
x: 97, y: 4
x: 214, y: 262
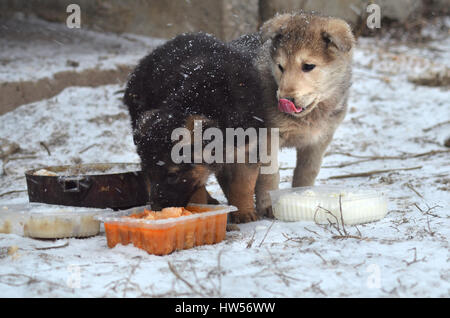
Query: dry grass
x: 208, y: 286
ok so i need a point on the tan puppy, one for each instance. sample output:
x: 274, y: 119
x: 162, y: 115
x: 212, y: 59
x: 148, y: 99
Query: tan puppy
x: 305, y: 63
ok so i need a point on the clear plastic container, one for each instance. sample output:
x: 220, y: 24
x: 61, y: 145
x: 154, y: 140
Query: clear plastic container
x: 323, y: 204
x: 49, y: 221
x: 13, y: 219
x: 207, y: 225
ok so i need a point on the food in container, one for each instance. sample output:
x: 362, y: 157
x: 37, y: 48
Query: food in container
x: 191, y: 226
x: 324, y: 204
x: 48, y: 221
x: 45, y: 172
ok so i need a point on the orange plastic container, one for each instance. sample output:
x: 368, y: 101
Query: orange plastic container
x: 207, y: 225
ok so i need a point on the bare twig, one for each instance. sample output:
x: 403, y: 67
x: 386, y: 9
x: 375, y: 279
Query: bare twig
x: 399, y: 157
x: 8, y: 159
x: 188, y: 284
x: 286, y: 168
x: 414, y: 190
x: 357, y: 265
x: 267, y: 232
x: 197, y: 280
x: 126, y: 281
x: 11, y: 192
x: 43, y: 145
x: 342, y: 215
x: 359, y: 232
x: 280, y: 273
x: 418, y: 208
x: 346, y: 164
x: 133, y: 270
x: 315, y: 287
x: 429, y: 227
x: 14, y: 279
x: 320, y: 256
x: 436, y: 126
x: 88, y: 147
x: 324, y: 227
x: 219, y: 273
x: 21, y: 158
x: 342, y: 234
x: 428, y: 211
x: 119, y: 92
x: 298, y: 239
x: 370, y: 173
x: 114, y: 285
x: 335, y: 225
x: 373, y: 158
x: 252, y: 240
x: 311, y: 231
x: 341, y: 237
x: 415, y: 260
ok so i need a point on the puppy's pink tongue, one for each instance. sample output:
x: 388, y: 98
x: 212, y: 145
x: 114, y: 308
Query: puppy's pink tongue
x: 286, y: 106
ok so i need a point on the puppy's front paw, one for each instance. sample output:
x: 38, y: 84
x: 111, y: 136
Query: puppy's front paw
x: 266, y: 212
x: 264, y: 208
x: 244, y: 216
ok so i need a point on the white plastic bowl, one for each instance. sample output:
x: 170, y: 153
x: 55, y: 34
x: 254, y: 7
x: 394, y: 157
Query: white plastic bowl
x: 323, y: 204
x: 49, y: 221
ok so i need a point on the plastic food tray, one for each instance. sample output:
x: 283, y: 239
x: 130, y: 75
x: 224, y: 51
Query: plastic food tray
x: 49, y: 221
x: 323, y: 204
x: 160, y: 237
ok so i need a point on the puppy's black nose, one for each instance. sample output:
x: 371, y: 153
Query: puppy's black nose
x: 292, y: 100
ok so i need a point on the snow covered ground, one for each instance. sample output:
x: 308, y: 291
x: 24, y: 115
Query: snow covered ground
x: 404, y: 255
x: 57, y: 48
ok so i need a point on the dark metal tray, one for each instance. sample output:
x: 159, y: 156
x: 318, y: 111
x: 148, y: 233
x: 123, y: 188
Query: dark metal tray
x: 104, y: 185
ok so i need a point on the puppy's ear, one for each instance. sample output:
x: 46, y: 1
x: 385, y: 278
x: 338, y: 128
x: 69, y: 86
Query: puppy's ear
x: 271, y: 28
x: 338, y: 35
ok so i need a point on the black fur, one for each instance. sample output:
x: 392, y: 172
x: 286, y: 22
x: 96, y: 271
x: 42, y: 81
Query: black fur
x: 193, y: 74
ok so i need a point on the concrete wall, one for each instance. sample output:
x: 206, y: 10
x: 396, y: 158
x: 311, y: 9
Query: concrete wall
x: 226, y: 19
x: 158, y: 18
x: 349, y: 10
x: 353, y: 10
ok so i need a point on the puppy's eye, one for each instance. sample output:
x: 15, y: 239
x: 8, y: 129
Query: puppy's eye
x: 281, y: 68
x: 308, y: 67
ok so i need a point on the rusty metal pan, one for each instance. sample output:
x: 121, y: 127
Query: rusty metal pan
x: 103, y: 185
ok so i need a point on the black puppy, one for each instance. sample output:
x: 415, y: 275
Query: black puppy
x: 193, y: 77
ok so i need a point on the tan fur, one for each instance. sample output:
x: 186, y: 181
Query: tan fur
x: 293, y: 40
x: 239, y: 188
x: 200, y: 174
x: 173, y: 169
x: 238, y: 183
x: 201, y: 196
